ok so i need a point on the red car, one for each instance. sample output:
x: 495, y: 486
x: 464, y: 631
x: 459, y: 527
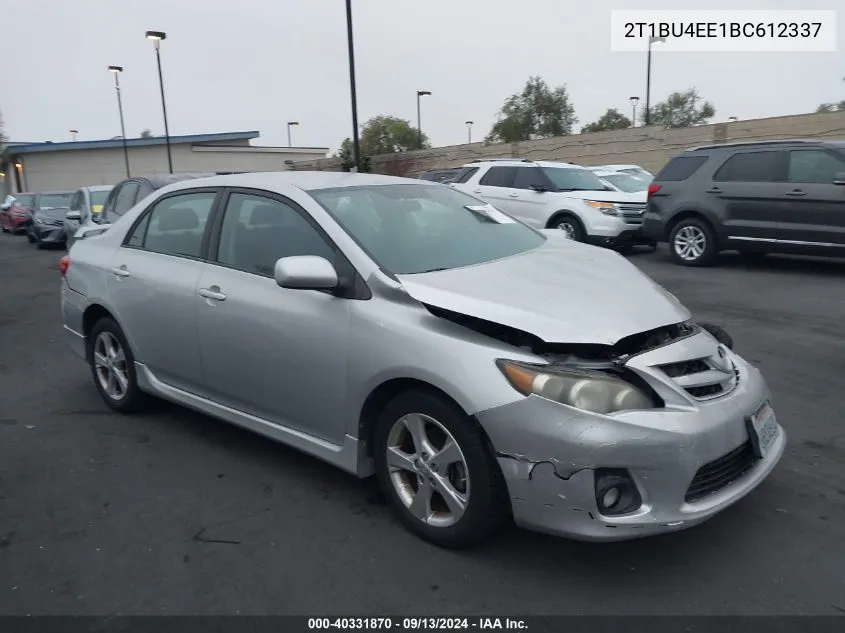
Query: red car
x: 17, y: 217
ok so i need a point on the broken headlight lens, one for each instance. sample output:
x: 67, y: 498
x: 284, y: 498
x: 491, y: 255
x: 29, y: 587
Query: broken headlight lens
x: 583, y: 389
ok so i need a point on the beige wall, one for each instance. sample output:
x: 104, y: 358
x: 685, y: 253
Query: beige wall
x: 649, y: 147
x: 44, y: 171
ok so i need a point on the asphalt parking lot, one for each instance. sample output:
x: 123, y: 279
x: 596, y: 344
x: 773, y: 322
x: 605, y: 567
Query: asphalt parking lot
x: 172, y: 512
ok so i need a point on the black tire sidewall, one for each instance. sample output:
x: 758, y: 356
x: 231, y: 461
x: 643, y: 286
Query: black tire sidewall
x: 578, y: 228
x: 133, y: 396
x: 488, y: 501
x: 710, y: 251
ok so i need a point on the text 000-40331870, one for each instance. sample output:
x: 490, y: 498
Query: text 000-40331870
x: 712, y: 30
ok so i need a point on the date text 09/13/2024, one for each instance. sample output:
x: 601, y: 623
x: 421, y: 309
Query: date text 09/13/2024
x: 416, y: 623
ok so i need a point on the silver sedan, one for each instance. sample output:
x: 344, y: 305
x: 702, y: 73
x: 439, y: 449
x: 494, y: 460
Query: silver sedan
x: 481, y: 369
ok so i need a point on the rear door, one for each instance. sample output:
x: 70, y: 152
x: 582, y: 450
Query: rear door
x: 495, y: 187
x: 815, y: 211
x: 747, y: 188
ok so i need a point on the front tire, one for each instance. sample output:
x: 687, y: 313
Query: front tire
x: 113, y: 367
x: 570, y: 225
x: 692, y: 243
x: 437, y: 472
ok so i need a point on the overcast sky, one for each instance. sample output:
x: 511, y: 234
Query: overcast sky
x: 256, y: 64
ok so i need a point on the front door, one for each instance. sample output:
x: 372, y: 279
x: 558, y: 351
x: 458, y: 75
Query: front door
x: 276, y: 353
x: 154, y: 277
x: 529, y: 205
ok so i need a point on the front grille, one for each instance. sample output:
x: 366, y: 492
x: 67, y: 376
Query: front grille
x: 632, y: 213
x: 701, y: 378
x: 684, y: 368
x: 721, y: 472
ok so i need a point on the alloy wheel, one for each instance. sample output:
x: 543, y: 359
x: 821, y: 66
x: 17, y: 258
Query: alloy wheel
x: 690, y: 243
x: 110, y: 365
x: 567, y: 228
x: 428, y: 470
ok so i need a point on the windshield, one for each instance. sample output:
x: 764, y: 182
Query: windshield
x: 567, y: 179
x: 25, y: 201
x: 626, y: 182
x: 637, y: 171
x: 54, y: 200
x: 98, y: 199
x: 410, y: 229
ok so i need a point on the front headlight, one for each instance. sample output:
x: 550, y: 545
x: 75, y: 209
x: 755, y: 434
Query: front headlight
x: 583, y: 389
x: 608, y: 208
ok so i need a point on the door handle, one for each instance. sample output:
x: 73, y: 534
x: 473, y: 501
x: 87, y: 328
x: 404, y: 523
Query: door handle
x: 513, y: 195
x: 121, y: 271
x: 476, y: 190
x: 796, y: 193
x: 214, y: 295
x: 714, y: 190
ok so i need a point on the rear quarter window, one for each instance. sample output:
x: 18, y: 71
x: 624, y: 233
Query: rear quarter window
x: 680, y: 168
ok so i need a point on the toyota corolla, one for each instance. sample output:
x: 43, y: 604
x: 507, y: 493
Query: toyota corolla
x: 481, y: 369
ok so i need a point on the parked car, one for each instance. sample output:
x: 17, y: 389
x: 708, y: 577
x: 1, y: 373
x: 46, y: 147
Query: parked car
x: 619, y: 181
x: 633, y: 170
x: 16, y: 217
x: 480, y: 368
x: 757, y: 198
x: 439, y: 175
x: 48, y: 218
x: 558, y: 195
x: 85, y: 205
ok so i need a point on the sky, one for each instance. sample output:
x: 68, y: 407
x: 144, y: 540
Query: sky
x: 256, y: 64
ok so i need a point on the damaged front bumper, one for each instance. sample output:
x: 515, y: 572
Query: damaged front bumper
x: 550, y: 454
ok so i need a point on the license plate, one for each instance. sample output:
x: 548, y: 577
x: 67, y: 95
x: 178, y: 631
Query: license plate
x: 763, y: 429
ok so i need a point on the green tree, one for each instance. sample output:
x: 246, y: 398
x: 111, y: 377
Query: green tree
x: 613, y: 119
x: 831, y: 107
x: 3, y: 137
x: 537, y: 112
x: 146, y: 133
x: 347, y: 157
x: 389, y: 134
x: 681, y: 109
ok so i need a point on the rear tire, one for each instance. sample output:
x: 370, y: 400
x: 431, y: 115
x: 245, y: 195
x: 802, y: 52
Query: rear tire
x: 412, y: 468
x: 113, y: 367
x: 693, y: 243
x: 570, y: 225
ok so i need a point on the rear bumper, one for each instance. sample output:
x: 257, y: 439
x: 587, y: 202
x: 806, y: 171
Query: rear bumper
x: 73, y: 308
x: 15, y: 223
x: 654, y: 228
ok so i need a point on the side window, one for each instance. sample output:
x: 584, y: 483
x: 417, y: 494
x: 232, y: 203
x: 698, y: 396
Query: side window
x: 750, y: 167
x: 499, y: 177
x: 465, y: 174
x: 258, y: 231
x: 814, y: 166
x: 125, y: 198
x: 527, y: 177
x: 106, y: 214
x: 76, y: 202
x: 175, y: 225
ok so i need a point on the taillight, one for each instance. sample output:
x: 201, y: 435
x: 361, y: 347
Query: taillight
x: 64, y: 264
x: 653, y: 189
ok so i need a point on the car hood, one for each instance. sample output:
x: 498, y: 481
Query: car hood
x: 607, y: 196
x: 561, y: 292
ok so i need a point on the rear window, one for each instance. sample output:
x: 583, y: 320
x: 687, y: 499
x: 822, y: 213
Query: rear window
x: 681, y: 168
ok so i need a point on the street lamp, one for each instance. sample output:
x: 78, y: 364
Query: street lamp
x: 73, y: 134
x: 634, y: 101
x: 117, y: 70
x: 651, y: 40
x: 356, y: 148
x: 469, y: 131
x: 420, y: 93
x: 290, y: 124
x: 156, y: 37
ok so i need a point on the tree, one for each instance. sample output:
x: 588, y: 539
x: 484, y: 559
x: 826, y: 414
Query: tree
x: 3, y: 138
x: 831, y: 107
x: 146, y: 133
x: 389, y: 134
x: 613, y: 119
x: 681, y: 109
x: 347, y: 157
x: 536, y: 112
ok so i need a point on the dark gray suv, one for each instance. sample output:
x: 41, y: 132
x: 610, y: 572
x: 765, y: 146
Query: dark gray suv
x: 755, y: 198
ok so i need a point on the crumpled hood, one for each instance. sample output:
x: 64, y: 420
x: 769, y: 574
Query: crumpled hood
x: 561, y: 292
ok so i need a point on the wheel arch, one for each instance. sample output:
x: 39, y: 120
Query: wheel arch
x: 693, y: 212
x: 560, y: 213
x: 96, y: 311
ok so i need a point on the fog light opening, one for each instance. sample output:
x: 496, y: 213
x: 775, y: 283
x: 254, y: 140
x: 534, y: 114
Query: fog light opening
x: 616, y: 492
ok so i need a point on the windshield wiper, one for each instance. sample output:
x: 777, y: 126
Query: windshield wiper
x: 430, y: 270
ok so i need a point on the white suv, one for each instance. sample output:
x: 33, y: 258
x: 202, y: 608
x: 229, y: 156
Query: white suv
x: 557, y: 195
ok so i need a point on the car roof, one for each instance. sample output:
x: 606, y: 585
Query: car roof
x: 304, y: 180
x: 513, y: 162
x: 53, y: 193
x: 97, y: 188
x: 769, y: 143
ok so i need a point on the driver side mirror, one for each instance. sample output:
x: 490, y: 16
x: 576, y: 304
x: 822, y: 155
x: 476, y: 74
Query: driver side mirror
x: 839, y: 179
x: 73, y: 215
x: 305, y: 272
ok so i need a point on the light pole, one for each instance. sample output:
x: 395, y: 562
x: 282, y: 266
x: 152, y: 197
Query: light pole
x: 73, y: 134
x: 634, y: 101
x: 117, y: 70
x: 651, y: 40
x: 156, y: 37
x: 469, y: 131
x: 420, y: 93
x: 290, y: 124
x: 356, y: 147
